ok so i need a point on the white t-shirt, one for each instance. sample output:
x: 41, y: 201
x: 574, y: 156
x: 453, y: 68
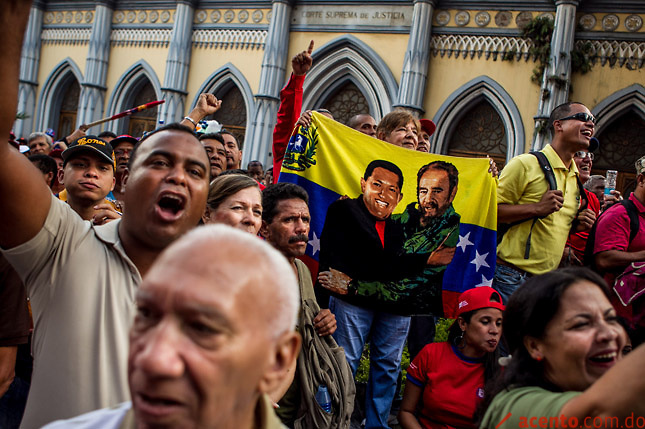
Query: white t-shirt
x: 106, y: 418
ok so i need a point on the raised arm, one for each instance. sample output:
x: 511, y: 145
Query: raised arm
x: 207, y: 104
x: 290, y: 107
x: 24, y: 196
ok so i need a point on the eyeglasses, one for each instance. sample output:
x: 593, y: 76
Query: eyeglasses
x: 582, y: 117
x: 582, y: 154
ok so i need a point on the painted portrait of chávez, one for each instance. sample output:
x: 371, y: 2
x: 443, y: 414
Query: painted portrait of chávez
x: 429, y: 228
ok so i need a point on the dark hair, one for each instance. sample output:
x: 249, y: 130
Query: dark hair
x: 380, y: 163
x: 175, y: 126
x: 234, y: 171
x: 212, y: 136
x: 46, y: 164
x: 224, y: 186
x: 106, y: 134
x: 491, y: 360
x: 560, y: 112
x: 254, y: 163
x: 453, y: 173
x: 273, y: 194
x: 528, y: 312
x: 237, y: 142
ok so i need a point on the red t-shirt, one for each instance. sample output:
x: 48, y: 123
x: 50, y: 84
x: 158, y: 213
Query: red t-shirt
x: 612, y: 232
x: 578, y: 240
x: 453, y: 386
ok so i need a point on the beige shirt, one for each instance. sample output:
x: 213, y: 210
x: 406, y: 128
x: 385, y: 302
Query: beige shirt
x: 82, y: 288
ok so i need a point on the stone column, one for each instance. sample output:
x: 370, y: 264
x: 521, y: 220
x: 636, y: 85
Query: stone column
x: 176, y: 77
x: 92, y: 97
x: 557, y: 75
x: 415, y: 64
x: 258, y: 139
x: 29, y: 60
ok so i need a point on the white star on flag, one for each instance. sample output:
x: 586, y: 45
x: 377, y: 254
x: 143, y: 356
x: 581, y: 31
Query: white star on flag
x: 464, y: 242
x: 315, y: 244
x: 480, y: 261
x: 485, y: 282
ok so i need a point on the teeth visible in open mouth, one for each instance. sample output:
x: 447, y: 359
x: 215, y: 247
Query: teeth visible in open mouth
x: 608, y: 357
x: 586, y: 133
x: 381, y: 203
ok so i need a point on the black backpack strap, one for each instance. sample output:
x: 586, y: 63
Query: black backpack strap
x: 584, y: 201
x: 634, y: 221
x: 546, y: 169
x: 634, y: 225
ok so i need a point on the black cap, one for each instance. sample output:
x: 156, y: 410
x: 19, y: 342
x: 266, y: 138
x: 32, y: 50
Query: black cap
x: 91, y: 144
x: 125, y: 138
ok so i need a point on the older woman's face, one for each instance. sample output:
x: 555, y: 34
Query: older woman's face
x: 405, y: 136
x: 583, y: 340
x: 242, y: 210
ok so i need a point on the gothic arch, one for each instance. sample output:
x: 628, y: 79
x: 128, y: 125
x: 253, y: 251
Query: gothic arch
x: 220, y: 82
x: 620, y: 129
x: 478, y: 89
x: 127, y: 86
x: 51, y: 95
x: 620, y: 102
x: 347, y: 59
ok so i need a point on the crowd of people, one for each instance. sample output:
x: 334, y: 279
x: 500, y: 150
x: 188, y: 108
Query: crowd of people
x: 135, y: 292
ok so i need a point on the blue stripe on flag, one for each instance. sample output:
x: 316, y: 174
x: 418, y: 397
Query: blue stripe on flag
x: 320, y: 199
x: 474, y: 260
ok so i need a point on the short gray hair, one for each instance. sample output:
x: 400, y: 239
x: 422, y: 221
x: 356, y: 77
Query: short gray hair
x: 592, y: 181
x: 276, y: 274
x: 34, y: 136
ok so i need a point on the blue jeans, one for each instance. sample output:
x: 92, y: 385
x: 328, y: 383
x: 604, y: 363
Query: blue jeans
x: 12, y: 404
x: 387, y: 334
x: 507, y: 280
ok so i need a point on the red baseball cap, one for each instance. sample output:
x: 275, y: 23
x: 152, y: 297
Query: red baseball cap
x: 477, y: 298
x: 428, y: 126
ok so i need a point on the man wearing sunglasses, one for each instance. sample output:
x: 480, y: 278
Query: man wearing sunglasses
x: 540, y: 219
x: 575, y: 248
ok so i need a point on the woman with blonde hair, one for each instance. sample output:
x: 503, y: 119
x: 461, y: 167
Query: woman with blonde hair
x: 235, y: 200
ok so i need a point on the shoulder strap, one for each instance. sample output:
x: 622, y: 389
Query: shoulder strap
x: 634, y: 225
x: 584, y: 201
x: 546, y: 169
x: 545, y: 166
x: 634, y: 221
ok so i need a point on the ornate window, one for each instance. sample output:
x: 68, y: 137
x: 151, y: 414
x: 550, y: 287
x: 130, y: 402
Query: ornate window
x: 621, y: 144
x: 347, y: 101
x: 232, y: 115
x: 478, y: 133
x: 68, y: 109
x: 145, y: 120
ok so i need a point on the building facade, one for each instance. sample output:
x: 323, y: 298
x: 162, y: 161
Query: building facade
x: 464, y: 64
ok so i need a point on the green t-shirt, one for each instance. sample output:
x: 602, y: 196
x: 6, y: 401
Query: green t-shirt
x: 529, y: 407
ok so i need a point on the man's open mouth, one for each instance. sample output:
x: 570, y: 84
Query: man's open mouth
x: 170, y: 205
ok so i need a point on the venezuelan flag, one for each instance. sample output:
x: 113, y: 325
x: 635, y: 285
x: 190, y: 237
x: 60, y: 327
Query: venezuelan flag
x: 328, y: 159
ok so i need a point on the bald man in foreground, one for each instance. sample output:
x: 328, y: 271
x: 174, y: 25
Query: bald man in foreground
x: 208, y: 339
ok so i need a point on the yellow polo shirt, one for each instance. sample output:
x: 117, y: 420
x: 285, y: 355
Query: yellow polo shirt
x: 522, y: 182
